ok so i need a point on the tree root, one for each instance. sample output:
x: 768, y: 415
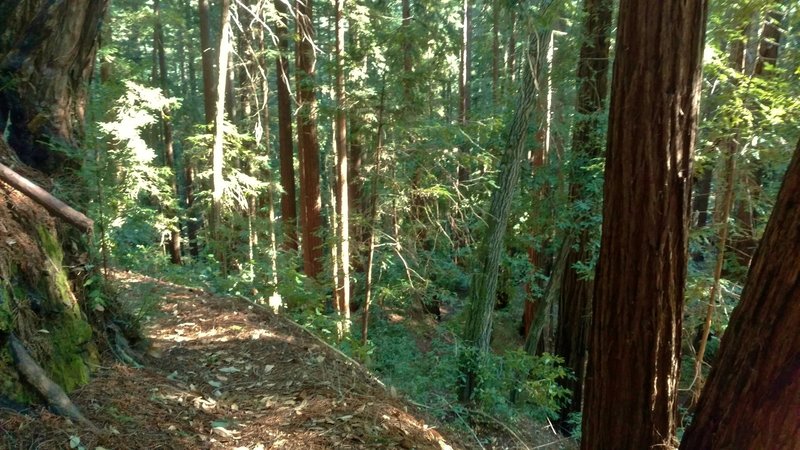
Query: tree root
x: 36, y: 377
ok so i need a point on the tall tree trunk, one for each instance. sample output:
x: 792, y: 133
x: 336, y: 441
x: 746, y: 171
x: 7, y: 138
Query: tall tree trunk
x: 207, y: 57
x: 217, y: 154
x: 43, y: 80
x: 166, y: 124
x: 495, y: 50
x: 373, y: 214
x: 464, y: 94
x: 307, y: 142
x: 539, y: 259
x: 511, y: 68
x: 638, y: 291
x: 574, y: 310
x: 285, y: 141
x: 478, y: 328
x: 751, y: 398
x: 343, y: 197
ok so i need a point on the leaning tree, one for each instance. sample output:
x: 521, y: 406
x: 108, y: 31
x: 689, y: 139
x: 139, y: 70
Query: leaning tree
x: 752, y: 397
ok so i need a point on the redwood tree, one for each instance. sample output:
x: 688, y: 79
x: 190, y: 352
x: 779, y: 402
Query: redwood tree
x: 587, y: 143
x: 286, y: 151
x: 43, y: 80
x: 307, y: 142
x: 634, y: 344
x: 752, y: 396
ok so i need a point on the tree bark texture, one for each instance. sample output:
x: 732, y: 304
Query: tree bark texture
x: 43, y: 80
x: 634, y: 345
x: 307, y: 142
x: 478, y: 328
x: 752, y: 396
x: 285, y: 141
x: 587, y: 144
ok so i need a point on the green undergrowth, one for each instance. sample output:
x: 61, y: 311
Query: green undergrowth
x: 46, y: 316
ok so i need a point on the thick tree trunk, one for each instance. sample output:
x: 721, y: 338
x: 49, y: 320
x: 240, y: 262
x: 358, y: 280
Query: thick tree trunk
x: 47, y: 52
x: 43, y: 80
x: 285, y: 141
x: 752, y: 395
x: 635, y: 340
x: 308, y: 144
x: 574, y: 310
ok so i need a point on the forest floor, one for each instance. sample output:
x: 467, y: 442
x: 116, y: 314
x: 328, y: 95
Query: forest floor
x: 221, y: 373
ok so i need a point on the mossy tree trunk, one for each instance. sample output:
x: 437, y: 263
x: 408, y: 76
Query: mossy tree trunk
x: 47, y: 51
x: 478, y: 329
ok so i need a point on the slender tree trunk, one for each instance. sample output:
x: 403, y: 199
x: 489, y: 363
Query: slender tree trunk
x: 217, y: 155
x: 308, y: 144
x: 495, y: 50
x: 464, y: 93
x: 285, y: 142
x: 343, y: 203
x: 207, y: 52
x: 574, y: 309
x: 638, y: 291
x: 727, y: 202
x: 511, y: 68
x: 752, y: 395
x: 478, y: 329
x: 373, y: 216
x: 166, y: 124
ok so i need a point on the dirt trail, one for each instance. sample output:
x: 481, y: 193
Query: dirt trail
x: 222, y: 374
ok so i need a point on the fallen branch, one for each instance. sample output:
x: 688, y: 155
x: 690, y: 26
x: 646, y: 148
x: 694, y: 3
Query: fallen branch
x: 52, y: 392
x: 46, y: 200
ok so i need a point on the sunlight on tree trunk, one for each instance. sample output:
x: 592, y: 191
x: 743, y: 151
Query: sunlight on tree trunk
x: 635, y: 343
x: 217, y: 154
